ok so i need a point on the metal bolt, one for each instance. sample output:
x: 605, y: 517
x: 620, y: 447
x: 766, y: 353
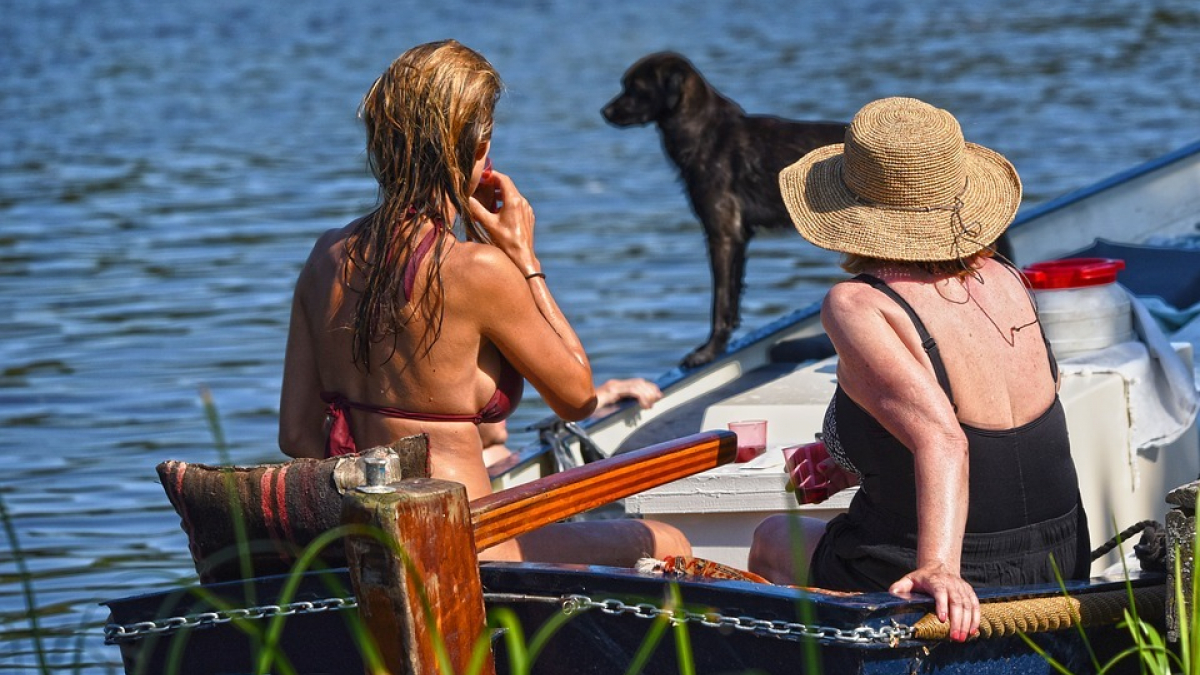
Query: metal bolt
x: 375, y: 471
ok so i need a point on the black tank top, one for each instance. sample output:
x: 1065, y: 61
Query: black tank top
x: 1018, y: 476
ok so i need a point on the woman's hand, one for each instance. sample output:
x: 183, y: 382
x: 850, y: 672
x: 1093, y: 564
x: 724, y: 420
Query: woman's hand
x: 954, y: 599
x: 508, y: 217
x: 836, y: 477
x: 813, y: 474
x: 644, y: 391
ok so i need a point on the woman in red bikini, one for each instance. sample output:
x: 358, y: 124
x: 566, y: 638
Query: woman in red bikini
x: 400, y: 328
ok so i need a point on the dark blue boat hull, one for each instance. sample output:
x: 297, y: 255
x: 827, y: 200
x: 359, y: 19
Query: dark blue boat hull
x: 726, y: 626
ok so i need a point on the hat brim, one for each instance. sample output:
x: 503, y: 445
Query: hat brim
x: 829, y: 215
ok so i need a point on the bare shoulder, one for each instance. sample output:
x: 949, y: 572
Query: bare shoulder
x: 328, y: 250
x: 484, y: 285
x: 856, y: 314
x: 849, y: 298
x: 479, y: 267
x: 1004, y: 276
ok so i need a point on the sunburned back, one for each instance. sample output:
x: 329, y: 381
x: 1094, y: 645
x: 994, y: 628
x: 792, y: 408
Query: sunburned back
x: 989, y: 340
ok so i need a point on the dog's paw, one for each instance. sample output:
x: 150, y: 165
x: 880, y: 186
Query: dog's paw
x: 700, y: 356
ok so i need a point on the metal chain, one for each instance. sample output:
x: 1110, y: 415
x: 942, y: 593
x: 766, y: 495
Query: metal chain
x: 571, y: 604
x: 886, y: 635
x: 114, y: 632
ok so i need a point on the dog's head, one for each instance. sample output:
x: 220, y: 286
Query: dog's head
x: 651, y: 90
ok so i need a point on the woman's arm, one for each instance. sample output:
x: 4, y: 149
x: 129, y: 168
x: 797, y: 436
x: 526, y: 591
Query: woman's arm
x: 301, y: 415
x: 517, y: 312
x: 883, y: 374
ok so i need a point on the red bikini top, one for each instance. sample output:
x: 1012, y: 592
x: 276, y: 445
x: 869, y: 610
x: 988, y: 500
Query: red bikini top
x: 509, y: 386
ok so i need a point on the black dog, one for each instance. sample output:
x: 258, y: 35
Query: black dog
x: 729, y: 162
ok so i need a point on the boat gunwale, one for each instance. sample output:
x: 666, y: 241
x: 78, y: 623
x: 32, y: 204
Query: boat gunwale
x: 1115, y: 180
x: 579, y: 578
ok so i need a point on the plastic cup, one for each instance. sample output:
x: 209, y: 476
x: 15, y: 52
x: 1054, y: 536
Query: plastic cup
x: 751, y: 438
x: 800, y: 462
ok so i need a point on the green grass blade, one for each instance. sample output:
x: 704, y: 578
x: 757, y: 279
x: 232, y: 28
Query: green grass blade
x: 658, y: 627
x: 683, y: 640
x: 31, y: 614
x: 514, y: 639
x: 1042, y: 653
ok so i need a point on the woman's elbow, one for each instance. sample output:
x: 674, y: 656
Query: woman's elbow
x: 298, y: 445
x: 950, y: 451
x: 572, y: 397
x: 576, y: 406
x: 575, y: 412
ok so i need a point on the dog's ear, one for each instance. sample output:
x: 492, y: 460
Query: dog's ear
x: 674, y: 78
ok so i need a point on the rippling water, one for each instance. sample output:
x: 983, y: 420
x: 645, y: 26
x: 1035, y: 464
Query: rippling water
x: 164, y: 167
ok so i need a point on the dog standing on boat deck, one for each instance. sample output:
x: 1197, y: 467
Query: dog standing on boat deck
x: 729, y: 162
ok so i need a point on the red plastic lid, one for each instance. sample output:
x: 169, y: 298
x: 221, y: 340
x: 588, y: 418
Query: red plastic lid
x: 1073, y: 273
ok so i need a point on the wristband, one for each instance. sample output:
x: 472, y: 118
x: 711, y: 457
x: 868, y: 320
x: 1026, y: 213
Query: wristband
x: 535, y: 274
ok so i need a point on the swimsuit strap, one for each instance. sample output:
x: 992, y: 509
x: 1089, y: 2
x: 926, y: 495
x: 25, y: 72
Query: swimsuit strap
x: 340, y: 441
x: 1041, y: 328
x: 927, y: 341
x: 410, y: 271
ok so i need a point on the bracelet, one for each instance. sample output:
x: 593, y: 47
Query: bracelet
x: 535, y: 274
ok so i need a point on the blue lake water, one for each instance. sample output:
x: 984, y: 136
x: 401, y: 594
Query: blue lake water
x: 165, y: 166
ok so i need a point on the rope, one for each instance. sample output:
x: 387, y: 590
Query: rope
x: 1036, y: 615
x: 1123, y: 536
x: 1151, y: 551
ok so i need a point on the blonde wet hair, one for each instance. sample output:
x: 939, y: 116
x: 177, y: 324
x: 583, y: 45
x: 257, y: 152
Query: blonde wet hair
x: 426, y: 117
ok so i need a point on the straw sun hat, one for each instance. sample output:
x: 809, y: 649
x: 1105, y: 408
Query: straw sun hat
x: 904, y: 186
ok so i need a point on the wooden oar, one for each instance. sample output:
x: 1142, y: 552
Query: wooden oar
x: 503, y: 515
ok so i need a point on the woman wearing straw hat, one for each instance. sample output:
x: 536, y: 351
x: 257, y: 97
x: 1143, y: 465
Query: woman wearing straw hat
x: 946, y: 410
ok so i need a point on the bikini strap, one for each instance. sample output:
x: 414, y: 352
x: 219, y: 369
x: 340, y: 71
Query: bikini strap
x: 338, y: 404
x: 410, y: 271
x: 927, y: 342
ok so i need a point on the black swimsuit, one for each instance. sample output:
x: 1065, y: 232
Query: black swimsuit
x: 1023, y: 497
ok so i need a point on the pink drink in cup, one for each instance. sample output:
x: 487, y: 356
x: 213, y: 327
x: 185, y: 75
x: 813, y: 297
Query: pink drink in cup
x: 752, y: 438
x: 800, y: 461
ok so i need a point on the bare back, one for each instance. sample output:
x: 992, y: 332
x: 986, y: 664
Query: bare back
x: 987, y: 335
x: 487, y: 306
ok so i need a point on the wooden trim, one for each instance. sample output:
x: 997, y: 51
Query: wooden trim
x: 507, y: 514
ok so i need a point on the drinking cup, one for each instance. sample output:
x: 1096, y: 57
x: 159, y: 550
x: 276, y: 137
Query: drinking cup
x: 801, y: 462
x: 751, y: 438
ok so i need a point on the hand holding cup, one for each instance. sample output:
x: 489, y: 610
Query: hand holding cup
x: 804, y: 465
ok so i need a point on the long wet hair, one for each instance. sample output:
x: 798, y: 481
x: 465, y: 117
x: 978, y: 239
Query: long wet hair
x: 425, y: 118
